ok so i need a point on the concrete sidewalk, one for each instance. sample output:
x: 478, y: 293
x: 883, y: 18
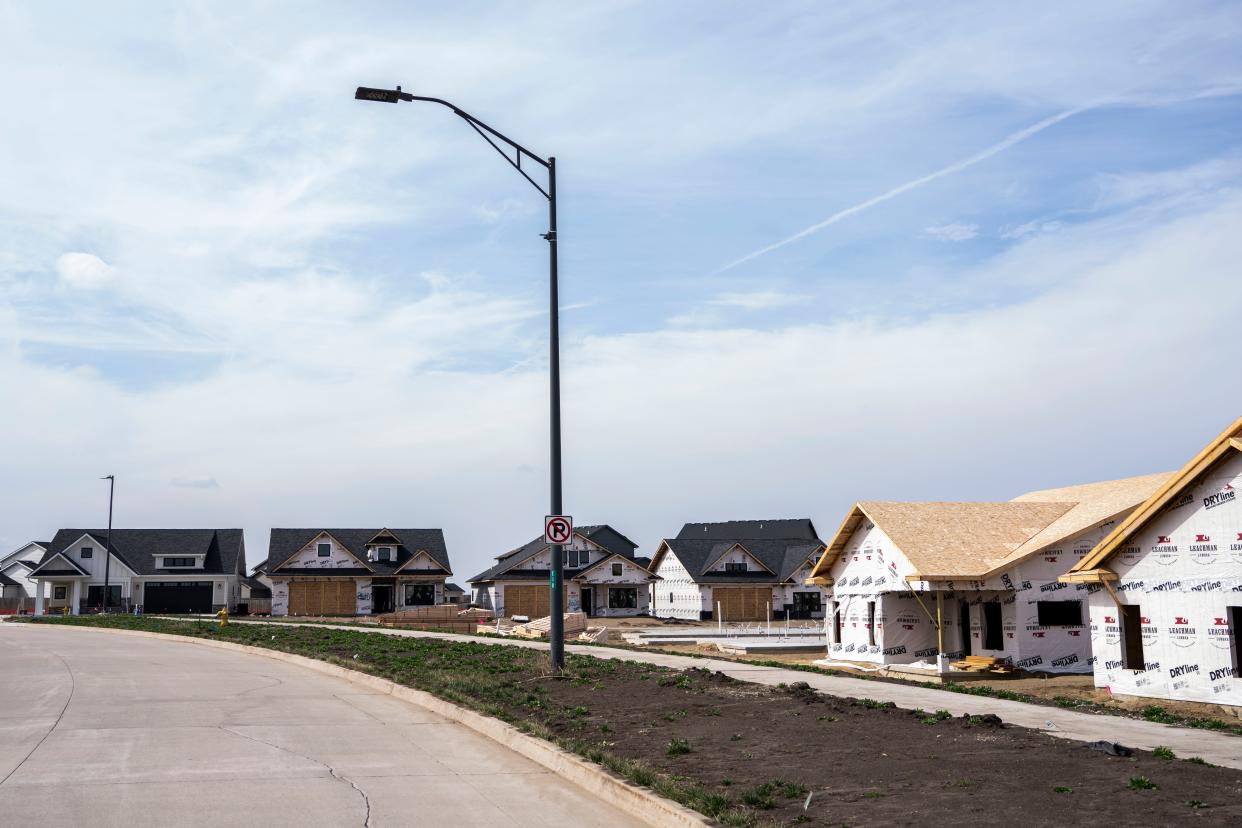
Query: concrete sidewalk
x: 106, y: 730
x: 1217, y: 748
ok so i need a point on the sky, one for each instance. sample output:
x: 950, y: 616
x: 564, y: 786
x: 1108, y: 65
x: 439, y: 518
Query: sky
x: 811, y: 253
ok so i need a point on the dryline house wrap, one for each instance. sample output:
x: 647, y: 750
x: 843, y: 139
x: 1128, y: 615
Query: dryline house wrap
x: 1166, y: 599
x: 927, y: 583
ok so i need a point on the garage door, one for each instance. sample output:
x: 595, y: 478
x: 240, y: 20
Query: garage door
x: 743, y: 603
x: 533, y: 601
x: 176, y: 596
x: 323, y: 597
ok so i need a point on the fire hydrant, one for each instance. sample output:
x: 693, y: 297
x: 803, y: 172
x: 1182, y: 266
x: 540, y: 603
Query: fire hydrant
x: 223, y: 616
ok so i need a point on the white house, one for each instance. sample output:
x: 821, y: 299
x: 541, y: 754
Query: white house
x: 1166, y: 610
x: 15, y: 582
x: 749, y: 570
x: 161, y: 570
x: 912, y: 581
x: 603, y: 577
x: 320, y: 571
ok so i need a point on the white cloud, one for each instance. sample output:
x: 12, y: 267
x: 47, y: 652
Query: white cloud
x: 757, y: 300
x: 84, y: 271
x: 952, y: 232
x: 195, y: 482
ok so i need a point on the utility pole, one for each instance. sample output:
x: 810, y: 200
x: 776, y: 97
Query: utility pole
x: 111, y: 478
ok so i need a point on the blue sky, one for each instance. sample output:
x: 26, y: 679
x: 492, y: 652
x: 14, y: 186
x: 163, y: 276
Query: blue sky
x: 260, y: 302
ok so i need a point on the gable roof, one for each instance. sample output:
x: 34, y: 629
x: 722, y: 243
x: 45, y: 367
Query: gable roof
x: 44, y: 567
x: 5, y: 580
x: 1222, y: 447
x: 285, y: 543
x: 9, y: 557
x: 602, y: 535
x: 975, y: 539
x: 609, y: 558
x: 224, y: 550
x: 750, y: 530
x: 722, y: 549
x: 783, y: 556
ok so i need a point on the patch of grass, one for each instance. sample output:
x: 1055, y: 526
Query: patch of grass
x: 1196, y: 804
x: 1198, y: 760
x: 678, y: 747
x: 1062, y: 789
x: 873, y: 794
x: 872, y: 704
x: 1141, y: 783
x: 1163, y: 752
x: 937, y: 717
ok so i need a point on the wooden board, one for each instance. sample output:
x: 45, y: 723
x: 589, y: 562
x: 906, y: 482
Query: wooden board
x: 742, y: 603
x: 336, y: 597
x: 533, y: 601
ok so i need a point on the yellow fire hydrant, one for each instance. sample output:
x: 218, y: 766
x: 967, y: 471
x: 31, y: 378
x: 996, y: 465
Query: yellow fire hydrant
x: 223, y: 616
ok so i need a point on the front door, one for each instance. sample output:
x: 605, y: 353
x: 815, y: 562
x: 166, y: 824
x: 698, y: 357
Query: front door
x: 381, y: 598
x: 588, y: 600
x: 993, y: 631
x: 963, y: 623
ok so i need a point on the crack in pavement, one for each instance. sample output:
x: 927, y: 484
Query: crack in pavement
x: 55, y: 724
x: 366, y: 800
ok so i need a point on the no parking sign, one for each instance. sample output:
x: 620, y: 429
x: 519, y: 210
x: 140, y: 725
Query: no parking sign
x: 557, y: 529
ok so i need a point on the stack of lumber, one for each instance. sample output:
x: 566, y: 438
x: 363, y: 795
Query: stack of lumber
x: 982, y: 664
x: 596, y: 635
x: 575, y: 622
x: 444, y: 617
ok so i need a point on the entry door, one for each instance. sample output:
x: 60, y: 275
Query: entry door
x: 381, y: 598
x: 1132, y: 632
x: 993, y: 630
x: 963, y: 623
x: 587, y: 600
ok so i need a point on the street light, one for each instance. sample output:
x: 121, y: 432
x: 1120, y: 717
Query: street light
x: 364, y: 93
x: 111, y: 478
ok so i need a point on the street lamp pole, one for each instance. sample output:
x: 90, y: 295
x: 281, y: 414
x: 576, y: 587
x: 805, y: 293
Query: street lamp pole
x: 556, y: 580
x: 111, y: 478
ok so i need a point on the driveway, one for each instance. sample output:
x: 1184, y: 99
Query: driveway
x: 106, y: 730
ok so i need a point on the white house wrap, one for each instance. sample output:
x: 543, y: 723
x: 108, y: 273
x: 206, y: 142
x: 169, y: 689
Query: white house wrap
x: 1166, y: 604
x: 912, y: 580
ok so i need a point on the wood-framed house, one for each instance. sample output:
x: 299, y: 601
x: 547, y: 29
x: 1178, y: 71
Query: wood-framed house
x: 739, y: 570
x: 1166, y: 600
x: 603, y: 577
x: 928, y: 583
x: 159, y: 570
x: 320, y: 571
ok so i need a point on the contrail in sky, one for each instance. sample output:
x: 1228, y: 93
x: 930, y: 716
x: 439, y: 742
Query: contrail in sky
x: 957, y: 166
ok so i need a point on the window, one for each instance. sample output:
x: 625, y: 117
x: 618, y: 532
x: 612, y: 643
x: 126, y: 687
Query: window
x: 871, y: 623
x: 622, y: 597
x: 740, y: 566
x: 1132, y: 637
x: 617, y: 569
x: 420, y: 595
x: 95, y: 595
x: 1235, y: 630
x: 1060, y: 613
x: 179, y: 562
x: 836, y: 622
x: 58, y: 593
x: 575, y: 559
x: 87, y: 553
x: 383, y: 553
x: 670, y: 597
x: 324, y: 550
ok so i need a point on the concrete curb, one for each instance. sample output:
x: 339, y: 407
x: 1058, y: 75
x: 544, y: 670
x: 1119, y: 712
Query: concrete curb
x: 646, y: 805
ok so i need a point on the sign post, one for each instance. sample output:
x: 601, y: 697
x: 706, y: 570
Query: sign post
x: 557, y: 529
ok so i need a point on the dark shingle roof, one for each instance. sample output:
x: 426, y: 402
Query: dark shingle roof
x: 5, y: 580
x: 451, y: 587
x: 733, y: 530
x: 285, y: 543
x: 781, y: 545
x: 602, y: 534
x: 139, y: 549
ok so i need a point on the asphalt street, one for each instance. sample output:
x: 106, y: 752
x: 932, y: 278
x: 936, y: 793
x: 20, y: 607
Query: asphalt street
x: 105, y: 730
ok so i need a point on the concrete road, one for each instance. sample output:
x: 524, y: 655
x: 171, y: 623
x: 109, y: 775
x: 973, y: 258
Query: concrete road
x: 106, y: 730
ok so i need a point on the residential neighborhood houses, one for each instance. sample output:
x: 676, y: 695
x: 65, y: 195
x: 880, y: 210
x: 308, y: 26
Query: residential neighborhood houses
x: 1136, y: 581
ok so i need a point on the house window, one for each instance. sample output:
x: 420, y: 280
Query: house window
x: 1235, y: 629
x: 622, y: 598
x: 58, y: 593
x: 383, y: 553
x: 87, y: 553
x: 871, y: 623
x: 179, y: 562
x: 575, y: 559
x: 95, y: 595
x: 617, y: 570
x: 324, y: 550
x: 736, y: 567
x: 1060, y: 613
x: 670, y: 597
x: 420, y: 595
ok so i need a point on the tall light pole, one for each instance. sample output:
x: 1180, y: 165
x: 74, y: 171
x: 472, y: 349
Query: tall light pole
x: 556, y: 580
x: 111, y: 478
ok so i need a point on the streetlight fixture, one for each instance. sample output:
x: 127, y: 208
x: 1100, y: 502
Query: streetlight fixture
x: 111, y: 478
x: 364, y: 93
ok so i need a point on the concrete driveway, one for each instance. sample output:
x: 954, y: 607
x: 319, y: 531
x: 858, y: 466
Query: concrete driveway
x: 105, y: 730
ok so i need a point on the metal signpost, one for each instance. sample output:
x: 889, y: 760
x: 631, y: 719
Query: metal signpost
x: 520, y: 153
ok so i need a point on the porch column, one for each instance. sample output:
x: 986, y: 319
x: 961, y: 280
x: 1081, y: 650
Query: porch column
x: 39, y: 596
x: 76, y: 601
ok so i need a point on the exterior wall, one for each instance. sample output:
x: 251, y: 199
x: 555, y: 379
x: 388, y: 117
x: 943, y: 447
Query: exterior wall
x: 677, y: 595
x: 782, y: 596
x: 32, y: 554
x: 736, y: 556
x: 1184, y: 571
x: 601, y: 578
